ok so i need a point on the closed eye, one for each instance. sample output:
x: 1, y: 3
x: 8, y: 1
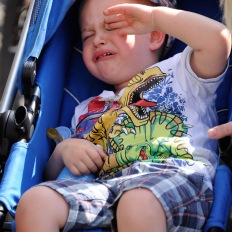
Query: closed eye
x: 85, y: 37
x: 86, y: 33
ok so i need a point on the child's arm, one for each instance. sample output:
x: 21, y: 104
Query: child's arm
x: 79, y: 155
x: 210, y: 40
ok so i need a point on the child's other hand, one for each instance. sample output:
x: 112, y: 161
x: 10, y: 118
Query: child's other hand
x: 129, y: 18
x: 80, y: 156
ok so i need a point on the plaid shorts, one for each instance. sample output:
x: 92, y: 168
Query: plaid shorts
x: 185, y: 198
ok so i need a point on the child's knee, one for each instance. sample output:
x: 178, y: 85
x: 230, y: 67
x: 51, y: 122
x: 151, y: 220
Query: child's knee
x: 139, y: 198
x: 34, y: 197
x: 42, y: 201
x: 39, y: 205
x: 140, y: 203
x: 138, y: 195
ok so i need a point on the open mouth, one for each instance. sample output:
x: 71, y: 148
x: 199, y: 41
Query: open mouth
x: 104, y: 55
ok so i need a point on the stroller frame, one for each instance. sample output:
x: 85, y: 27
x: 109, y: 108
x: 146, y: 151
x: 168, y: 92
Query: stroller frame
x: 25, y: 126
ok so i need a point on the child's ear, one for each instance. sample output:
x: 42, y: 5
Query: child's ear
x: 157, y: 40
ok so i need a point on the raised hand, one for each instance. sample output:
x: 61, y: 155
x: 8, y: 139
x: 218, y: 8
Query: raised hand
x: 129, y: 18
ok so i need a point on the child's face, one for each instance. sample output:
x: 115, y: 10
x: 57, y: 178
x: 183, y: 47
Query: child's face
x: 111, y: 57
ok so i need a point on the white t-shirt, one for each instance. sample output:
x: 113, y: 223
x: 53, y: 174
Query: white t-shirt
x: 183, y: 94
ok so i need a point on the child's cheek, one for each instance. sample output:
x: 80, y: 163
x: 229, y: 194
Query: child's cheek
x: 85, y: 56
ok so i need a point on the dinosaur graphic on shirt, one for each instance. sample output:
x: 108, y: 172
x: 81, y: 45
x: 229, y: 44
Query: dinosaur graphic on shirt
x: 137, y: 130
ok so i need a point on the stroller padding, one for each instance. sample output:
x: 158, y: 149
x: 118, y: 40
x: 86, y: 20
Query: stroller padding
x: 51, y: 39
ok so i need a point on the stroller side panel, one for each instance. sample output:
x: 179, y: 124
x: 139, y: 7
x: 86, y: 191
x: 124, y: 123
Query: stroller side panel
x: 34, y: 154
x: 222, y: 197
x: 27, y: 160
x: 46, y: 18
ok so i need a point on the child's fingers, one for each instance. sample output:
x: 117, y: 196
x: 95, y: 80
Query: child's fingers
x: 95, y: 158
x: 117, y: 21
x: 79, y: 168
x: 221, y: 131
x: 101, y: 152
x: 122, y: 27
x: 115, y: 18
x: 116, y: 25
x: 117, y: 9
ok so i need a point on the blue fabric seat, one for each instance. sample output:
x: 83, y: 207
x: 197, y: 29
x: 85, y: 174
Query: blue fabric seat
x: 64, y: 81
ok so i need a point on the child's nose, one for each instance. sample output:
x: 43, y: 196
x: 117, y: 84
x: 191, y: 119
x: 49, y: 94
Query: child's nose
x: 99, y: 39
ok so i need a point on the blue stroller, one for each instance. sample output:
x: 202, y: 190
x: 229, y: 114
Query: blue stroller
x: 48, y: 70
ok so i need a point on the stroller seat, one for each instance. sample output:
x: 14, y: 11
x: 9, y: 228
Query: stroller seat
x: 53, y: 48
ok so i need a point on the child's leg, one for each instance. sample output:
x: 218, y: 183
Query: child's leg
x: 139, y: 210
x: 41, y: 209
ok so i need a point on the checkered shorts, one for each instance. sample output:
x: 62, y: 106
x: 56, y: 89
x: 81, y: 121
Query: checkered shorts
x: 185, y: 198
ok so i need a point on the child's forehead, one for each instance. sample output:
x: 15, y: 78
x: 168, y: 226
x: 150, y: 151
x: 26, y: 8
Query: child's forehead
x: 168, y: 3
x: 90, y: 8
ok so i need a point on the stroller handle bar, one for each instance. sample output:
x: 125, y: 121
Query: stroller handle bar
x: 10, y: 89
